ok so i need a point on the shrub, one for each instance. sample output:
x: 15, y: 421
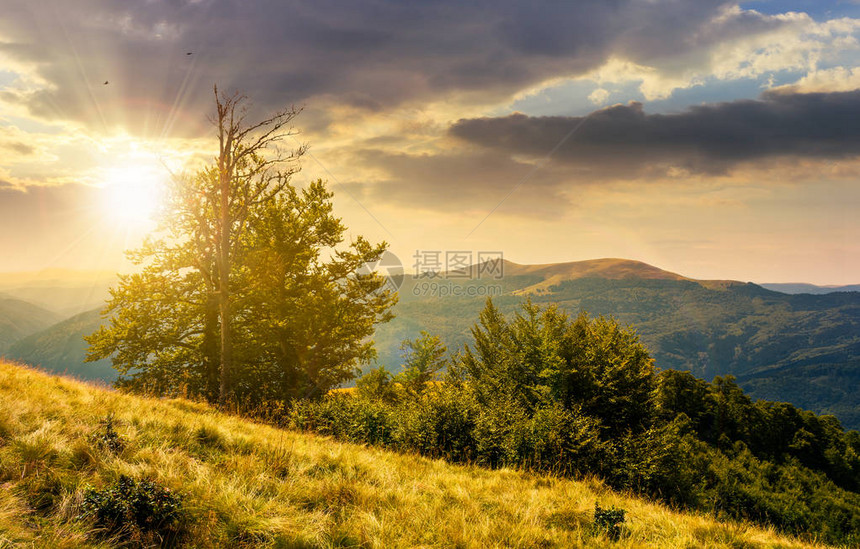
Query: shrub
x: 501, y: 433
x: 439, y: 423
x: 565, y: 441
x: 376, y: 385
x: 135, y: 509
x: 107, y: 438
x: 609, y: 521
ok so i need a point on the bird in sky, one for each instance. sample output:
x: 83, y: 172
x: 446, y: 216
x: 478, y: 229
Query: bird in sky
x: 106, y: 83
x: 189, y: 53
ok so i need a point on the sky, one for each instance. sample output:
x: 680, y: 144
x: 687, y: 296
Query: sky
x: 718, y: 140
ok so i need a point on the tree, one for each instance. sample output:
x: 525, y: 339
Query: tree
x: 377, y: 384
x: 424, y: 357
x: 245, y: 180
x: 247, y: 284
x: 542, y: 356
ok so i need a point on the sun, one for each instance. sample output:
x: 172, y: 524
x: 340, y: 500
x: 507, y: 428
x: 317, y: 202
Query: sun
x: 132, y: 194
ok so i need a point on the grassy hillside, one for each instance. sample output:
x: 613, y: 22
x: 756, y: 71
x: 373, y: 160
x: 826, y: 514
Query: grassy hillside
x: 248, y: 485
x: 20, y: 318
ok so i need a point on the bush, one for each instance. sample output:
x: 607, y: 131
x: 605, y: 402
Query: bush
x: 609, y: 521
x: 580, y: 397
x: 107, y: 437
x: 565, y: 441
x: 439, y: 423
x: 502, y: 434
x: 377, y: 384
x: 135, y: 510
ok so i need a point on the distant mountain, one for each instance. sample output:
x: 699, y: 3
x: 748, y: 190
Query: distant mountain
x: 828, y: 387
x: 803, y: 288
x: 54, y: 277
x: 66, y: 292
x: 712, y: 327
x: 61, y: 348
x: 19, y: 318
x: 801, y: 348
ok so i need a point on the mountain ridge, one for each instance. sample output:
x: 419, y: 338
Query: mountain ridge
x: 19, y: 318
x: 806, y: 288
x: 710, y: 327
x: 611, y: 268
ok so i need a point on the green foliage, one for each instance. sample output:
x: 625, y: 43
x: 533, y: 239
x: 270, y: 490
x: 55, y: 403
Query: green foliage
x: 544, y: 356
x: 302, y: 312
x: 442, y: 422
x: 581, y: 397
x: 424, y: 357
x: 309, y: 318
x: 609, y: 521
x: 377, y: 384
x: 135, y: 509
x: 107, y: 438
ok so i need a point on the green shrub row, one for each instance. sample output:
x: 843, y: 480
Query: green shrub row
x: 582, y: 397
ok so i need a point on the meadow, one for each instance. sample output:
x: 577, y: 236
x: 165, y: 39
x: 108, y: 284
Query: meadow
x: 245, y: 484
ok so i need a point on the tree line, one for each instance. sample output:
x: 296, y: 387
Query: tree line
x: 582, y: 397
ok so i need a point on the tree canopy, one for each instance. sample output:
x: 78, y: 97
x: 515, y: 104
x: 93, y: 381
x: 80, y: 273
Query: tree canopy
x: 247, y: 291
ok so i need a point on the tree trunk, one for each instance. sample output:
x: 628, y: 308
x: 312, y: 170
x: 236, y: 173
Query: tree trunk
x: 226, y: 389
x: 211, y: 347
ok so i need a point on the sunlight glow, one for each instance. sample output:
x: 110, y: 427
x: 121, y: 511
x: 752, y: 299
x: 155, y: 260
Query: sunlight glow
x: 132, y: 193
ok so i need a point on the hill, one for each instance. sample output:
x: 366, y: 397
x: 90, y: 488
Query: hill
x: 65, y: 292
x: 803, y: 288
x: 20, y: 318
x: 243, y: 484
x: 712, y: 327
x: 551, y: 274
x: 61, y: 349
x: 802, y: 348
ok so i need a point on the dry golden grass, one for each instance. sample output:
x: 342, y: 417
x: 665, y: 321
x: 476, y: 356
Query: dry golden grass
x: 251, y: 485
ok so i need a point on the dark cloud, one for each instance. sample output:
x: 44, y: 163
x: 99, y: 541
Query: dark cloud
x: 373, y: 54
x: 18, y: 147
x: 625, y: 141
x: 463, y: 182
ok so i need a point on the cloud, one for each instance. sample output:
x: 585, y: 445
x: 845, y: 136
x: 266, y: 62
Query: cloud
x: 625, y: 141
x: 833, y: 79
x: 461, y: 182
x: 19, y: 148
x: 735, y: 45
x: 599, y: 96
x: 373, y: 55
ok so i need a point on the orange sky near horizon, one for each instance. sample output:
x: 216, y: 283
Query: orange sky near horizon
x: 717, y: 140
